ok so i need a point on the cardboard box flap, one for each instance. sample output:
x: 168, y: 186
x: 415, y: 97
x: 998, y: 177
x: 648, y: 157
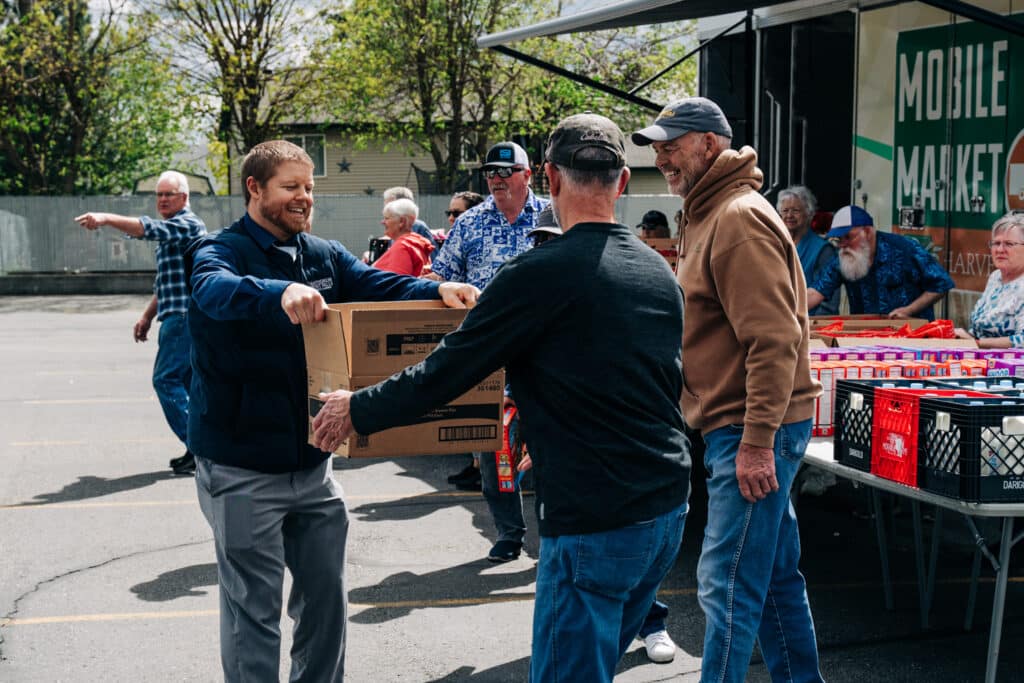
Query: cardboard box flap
x: 326, y: 345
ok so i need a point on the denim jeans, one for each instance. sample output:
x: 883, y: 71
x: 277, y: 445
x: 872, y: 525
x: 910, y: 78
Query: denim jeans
x: 172, y: 372
x: 655, y: 619
x: 593, y: 592
x: 749, y: 583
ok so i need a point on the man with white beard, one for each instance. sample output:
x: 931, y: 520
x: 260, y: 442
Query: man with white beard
x: 883, y: 273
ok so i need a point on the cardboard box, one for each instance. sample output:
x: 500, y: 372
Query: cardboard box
x: 907, y: 342
x: 360, y: 344
x: 666, y: 246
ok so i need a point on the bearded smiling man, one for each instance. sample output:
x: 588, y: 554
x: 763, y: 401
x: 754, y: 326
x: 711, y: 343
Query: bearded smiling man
x: 270, y: 498
x: 883, y: 273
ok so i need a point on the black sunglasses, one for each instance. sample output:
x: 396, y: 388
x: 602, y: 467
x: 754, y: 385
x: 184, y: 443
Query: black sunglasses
x: 500, y: 172
x: 453, y: 214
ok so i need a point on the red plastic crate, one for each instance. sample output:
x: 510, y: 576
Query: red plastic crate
x: 894, y: 430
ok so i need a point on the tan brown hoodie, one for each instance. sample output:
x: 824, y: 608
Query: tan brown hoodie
x: 745, y: 336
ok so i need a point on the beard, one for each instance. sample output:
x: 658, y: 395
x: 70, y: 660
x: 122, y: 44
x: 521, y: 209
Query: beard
x: 854, y: 263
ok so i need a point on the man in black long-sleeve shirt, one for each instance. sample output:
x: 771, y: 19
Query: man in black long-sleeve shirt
x: 589, y: 328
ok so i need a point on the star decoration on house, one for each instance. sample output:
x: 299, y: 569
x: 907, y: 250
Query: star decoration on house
x: 369, y: 190
x: 344, y: 165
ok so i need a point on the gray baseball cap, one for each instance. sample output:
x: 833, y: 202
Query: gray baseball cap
x: 576, y: 133
x: 683, y: 116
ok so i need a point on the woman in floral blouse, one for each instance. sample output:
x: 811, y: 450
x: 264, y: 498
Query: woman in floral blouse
x: 997, y: 321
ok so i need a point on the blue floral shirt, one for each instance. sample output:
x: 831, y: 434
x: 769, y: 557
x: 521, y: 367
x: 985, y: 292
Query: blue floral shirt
x: 482, y: 240
x: 901, y: 272
x: 1000, y: 310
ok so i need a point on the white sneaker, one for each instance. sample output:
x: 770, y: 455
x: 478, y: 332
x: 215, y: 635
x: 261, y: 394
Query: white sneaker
x: 660, y: 647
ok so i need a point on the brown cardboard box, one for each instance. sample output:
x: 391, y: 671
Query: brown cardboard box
x: 864, y: 322
x: 360, y: 344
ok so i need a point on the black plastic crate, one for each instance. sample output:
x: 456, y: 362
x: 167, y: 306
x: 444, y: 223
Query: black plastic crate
x: 994, y: 385
x: 852, y: 411
x: 972, y: 449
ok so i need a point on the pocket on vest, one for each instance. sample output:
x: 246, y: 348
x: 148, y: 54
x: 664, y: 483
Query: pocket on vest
x: 266, y: 412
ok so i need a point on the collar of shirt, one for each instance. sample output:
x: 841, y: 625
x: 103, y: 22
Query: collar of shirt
x: 265, y: 239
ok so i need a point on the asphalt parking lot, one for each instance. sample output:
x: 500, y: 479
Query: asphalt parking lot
x: 107, y: 568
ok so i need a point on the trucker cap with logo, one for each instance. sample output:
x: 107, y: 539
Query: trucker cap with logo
x: 506, y: 155
x: 848, y: 218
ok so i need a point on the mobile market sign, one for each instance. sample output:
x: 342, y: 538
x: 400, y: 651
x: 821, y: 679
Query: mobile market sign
x: 958, y: 152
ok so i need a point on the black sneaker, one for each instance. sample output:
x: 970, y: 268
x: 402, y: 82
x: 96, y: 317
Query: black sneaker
x: 470, y: 484
x: 185, y: 465
x: 468, y: 473
x: 505, y: 551
x: 180, y: 460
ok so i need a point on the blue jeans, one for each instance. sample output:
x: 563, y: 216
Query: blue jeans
x: 655, y: 619
x: 593, y: 592
x: 749, y: 583
x: 172, y: 372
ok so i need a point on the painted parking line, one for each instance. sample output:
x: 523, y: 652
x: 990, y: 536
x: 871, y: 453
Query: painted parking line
x: 87, y: 401
x: 410, y: 604
x: 83, y: 442
x: 82, y: 373
x: 378, y: 498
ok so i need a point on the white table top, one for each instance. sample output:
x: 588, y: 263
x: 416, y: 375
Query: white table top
x: 820, y: 454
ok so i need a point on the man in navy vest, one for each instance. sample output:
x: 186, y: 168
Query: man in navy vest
x: 271, y: 498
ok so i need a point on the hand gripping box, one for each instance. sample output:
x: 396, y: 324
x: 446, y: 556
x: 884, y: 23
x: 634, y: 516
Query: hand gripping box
x: 360, y: 344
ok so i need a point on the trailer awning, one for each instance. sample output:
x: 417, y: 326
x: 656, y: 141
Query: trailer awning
x: 643, y: 12
x: 623, y: 14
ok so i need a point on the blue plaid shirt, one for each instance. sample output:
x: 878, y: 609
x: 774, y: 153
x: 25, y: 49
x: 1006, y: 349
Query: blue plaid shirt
x: 482, y: 240
x: 173, y: 235
x: 901, y: 272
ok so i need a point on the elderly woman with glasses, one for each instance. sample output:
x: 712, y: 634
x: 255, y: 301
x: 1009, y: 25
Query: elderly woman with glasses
x: 796, y: 205
x: 997, y: 321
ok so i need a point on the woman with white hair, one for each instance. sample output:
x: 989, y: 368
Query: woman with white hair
x: 796, y: 205
x: 997, y: 321
x: 409, y: 251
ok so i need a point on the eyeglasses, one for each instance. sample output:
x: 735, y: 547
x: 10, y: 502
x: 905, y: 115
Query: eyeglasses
x: 453, y: 213
x: 500, y: 172
x: 1001, y: 244
x: 167, y: 195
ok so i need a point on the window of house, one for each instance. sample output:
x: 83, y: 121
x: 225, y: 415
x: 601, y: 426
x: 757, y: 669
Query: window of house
x: 315, y: 148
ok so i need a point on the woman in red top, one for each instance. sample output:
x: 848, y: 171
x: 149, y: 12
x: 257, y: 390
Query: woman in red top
x: 409, y: 252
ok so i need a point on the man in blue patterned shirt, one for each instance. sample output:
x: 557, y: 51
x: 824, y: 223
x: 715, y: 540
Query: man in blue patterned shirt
x: 172, y: 371
x: 883, y: 273
x: 480, y: 241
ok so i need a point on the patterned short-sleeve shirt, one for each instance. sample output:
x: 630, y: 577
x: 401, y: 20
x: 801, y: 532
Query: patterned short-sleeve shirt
x: 1000, y: 310
x: 482, y: 240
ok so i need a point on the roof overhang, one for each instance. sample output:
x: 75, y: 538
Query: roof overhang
x: 644, y: 12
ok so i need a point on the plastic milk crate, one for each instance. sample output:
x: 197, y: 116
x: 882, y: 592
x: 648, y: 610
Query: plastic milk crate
x: 973, y: 449
x: 996, y: 385
x: 895, y: 430
x: 854, y: 405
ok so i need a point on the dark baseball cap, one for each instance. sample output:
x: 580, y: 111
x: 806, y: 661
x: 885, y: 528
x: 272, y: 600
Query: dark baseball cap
x: 586, y: 131
x: 683, y: 116
x: 546, y: 223
x: 653, y: 219
x: 506, y: 155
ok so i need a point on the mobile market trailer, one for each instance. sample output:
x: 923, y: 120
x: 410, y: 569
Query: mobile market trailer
x: 912, y: 110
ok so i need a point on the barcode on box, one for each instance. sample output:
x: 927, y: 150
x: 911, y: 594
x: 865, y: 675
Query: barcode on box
x: 372, y: 346
x: 362, y: 441
x: 469, y: 433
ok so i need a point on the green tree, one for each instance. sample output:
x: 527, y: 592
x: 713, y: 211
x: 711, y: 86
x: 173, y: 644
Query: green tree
x: 83, y: 107
x: 246, y: 60
x: 410, y: 72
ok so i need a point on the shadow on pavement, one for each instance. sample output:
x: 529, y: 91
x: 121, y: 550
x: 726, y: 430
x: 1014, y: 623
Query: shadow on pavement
x: 516, y: 671
x: 398, y: 594
x: 178, y: 583
x: 95, y: 487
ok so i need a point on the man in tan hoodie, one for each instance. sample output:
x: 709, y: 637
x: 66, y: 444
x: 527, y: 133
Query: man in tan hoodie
x: 748, y: 388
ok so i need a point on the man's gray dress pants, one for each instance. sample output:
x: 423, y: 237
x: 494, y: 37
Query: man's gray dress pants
x: 261, y: 524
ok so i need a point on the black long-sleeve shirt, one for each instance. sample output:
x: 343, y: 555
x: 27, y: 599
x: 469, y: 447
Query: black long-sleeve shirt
x: 589, y: 329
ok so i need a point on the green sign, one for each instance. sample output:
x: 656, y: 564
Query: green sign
x: 959, y: 125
